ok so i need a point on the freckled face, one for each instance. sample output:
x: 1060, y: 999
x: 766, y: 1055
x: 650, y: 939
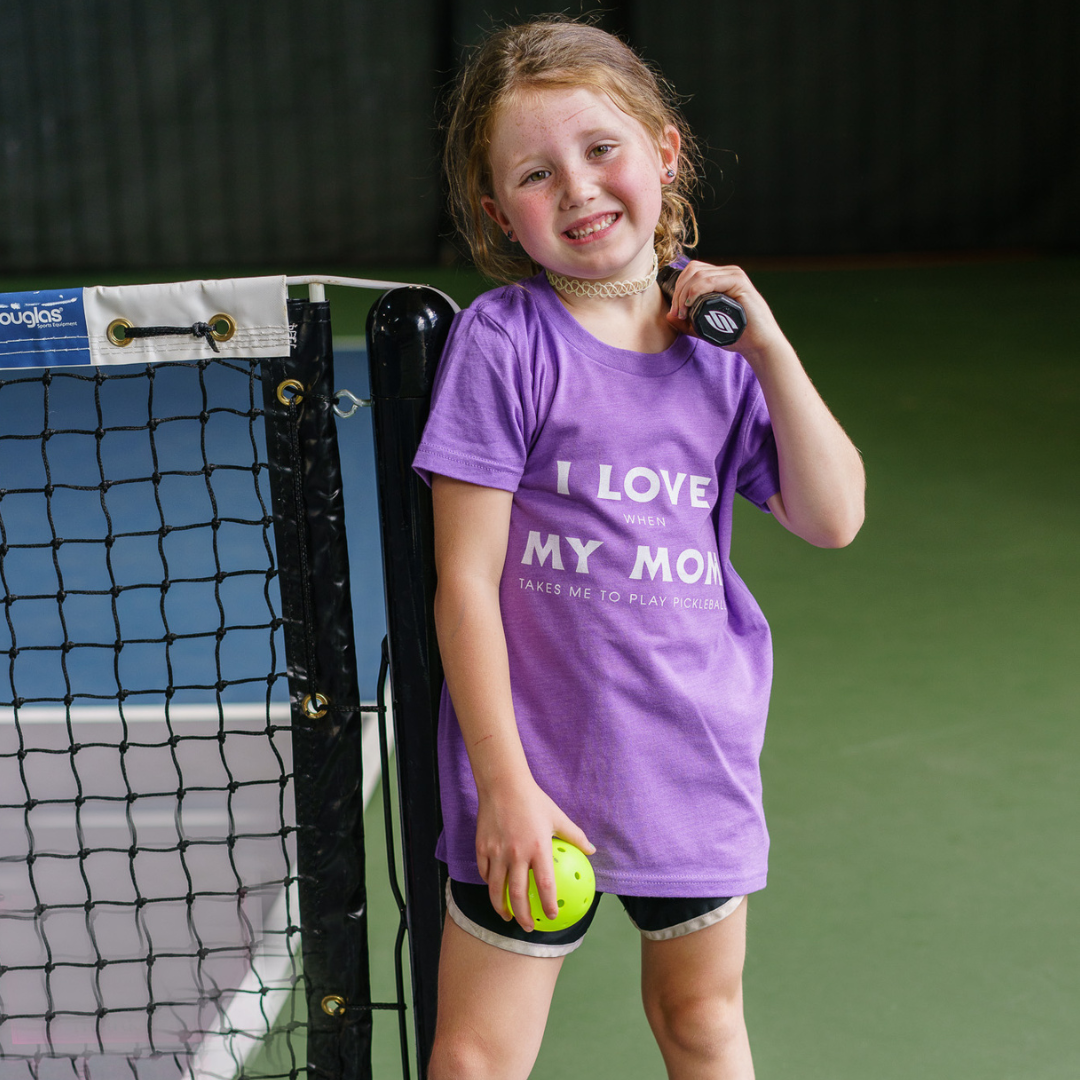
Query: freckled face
x: 578, y: 181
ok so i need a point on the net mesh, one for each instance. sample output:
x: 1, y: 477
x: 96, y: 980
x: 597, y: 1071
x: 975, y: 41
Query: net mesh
x: 146, y: 824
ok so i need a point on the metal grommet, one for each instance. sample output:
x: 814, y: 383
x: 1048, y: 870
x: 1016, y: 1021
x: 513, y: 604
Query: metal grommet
x: 315, y: 708
x: 290, y: 392
x: 333, y: 1005
x: 118, y: 339
x: 216, y: 321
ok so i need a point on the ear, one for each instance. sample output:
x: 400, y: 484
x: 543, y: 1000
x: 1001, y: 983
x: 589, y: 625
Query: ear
x: 670, y: 143
x: 493, y: 211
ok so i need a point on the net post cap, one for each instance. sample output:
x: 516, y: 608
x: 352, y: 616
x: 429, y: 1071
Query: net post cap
x: 406, y: 330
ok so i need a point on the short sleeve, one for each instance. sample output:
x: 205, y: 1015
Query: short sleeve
x: 476, y: 430
x: 759, y: 470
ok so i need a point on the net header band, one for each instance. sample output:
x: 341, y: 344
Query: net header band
x: 71, y: 327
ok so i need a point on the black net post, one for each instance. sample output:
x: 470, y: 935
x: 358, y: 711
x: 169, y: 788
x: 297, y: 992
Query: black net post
x: 324, y: 696
x: 406, y: 331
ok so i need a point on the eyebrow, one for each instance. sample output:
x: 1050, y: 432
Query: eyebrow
x: 606, y: 133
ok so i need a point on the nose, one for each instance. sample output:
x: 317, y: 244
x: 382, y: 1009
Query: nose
x: 577, y: 188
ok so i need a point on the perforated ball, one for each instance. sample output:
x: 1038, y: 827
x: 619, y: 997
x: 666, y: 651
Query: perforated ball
x: 575, y: 887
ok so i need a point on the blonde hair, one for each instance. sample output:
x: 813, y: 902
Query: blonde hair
x: 555, y: 52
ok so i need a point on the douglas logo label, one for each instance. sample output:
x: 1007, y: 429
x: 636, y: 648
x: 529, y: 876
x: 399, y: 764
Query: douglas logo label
x: 41, y: 329
x: 31, y: 317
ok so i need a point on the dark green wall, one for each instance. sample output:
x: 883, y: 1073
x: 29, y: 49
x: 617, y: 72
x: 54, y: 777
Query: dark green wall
x: 184, y: 132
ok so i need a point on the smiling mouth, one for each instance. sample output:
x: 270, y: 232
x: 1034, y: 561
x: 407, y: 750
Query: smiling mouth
x: 593, y: 227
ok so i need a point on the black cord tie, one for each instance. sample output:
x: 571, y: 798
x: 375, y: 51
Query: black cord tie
x: 199, y: 329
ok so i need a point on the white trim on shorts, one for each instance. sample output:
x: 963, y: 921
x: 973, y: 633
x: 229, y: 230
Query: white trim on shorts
x: 528, y: 948
x: 523, y: 948
x: 699, y: 922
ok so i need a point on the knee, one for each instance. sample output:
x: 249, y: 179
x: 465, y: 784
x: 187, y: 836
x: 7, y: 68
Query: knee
x: 453, y: 1058
x: 460, y: 1057
x: 702, y: 1026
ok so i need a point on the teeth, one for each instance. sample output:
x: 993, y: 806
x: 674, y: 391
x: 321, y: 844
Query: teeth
x: 603, y: 223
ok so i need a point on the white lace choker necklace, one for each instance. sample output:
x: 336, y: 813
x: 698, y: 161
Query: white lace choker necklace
x: 607, y: 289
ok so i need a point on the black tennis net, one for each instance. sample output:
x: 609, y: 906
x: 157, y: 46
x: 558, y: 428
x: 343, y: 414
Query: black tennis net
x: 183, y: 889
x: 147, y: 836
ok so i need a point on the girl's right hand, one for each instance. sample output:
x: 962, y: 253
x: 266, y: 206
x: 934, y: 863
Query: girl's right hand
x: 516, y: 820
x: 513, y: 836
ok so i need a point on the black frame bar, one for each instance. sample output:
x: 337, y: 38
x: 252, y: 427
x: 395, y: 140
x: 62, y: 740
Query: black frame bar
x: 406, y: 331
x: 309, y: 529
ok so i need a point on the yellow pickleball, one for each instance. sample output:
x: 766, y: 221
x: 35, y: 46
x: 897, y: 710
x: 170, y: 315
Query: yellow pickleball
x: 575, y: 887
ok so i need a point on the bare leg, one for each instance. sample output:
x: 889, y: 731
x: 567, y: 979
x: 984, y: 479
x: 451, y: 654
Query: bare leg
x: 692, y: 990
x: 493, y: 1008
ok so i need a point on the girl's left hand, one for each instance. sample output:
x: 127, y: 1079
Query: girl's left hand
x: 699, y: 278
x: 822, y: 483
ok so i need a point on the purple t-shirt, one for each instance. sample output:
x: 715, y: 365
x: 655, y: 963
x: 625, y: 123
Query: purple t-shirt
x: 640, y: 663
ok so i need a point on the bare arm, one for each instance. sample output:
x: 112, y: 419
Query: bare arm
x: 822, y: 482
x: 516, y: 818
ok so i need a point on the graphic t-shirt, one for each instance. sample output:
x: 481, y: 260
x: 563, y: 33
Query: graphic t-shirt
x: 640, y: 664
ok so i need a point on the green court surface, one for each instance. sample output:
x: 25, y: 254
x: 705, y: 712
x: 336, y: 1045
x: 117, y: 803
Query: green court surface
x: 920, y: 767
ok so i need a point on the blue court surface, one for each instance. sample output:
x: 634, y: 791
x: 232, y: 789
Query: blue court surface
x: 133, y: 509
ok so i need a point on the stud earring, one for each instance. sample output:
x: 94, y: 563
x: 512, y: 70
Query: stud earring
x: 510, y: 235
x: 671, y: 174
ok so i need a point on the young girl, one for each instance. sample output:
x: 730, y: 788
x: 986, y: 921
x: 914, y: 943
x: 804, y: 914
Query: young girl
x: 607, y: 672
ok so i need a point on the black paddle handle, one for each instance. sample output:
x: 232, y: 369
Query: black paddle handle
x: 716, y: 318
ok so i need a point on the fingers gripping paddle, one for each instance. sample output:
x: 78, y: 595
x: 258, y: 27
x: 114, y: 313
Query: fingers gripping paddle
x: 716, y: 318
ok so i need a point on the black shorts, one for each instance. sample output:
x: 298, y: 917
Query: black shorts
x: 658, y: 918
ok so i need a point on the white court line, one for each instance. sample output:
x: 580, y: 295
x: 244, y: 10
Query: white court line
x: 139, y: 714
x: 222, y: 1055
x: 141, y: 817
